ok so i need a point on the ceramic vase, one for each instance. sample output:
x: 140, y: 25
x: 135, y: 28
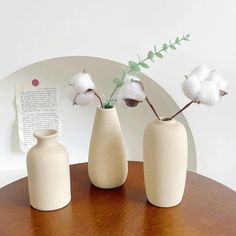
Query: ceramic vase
x: 48, y: 172
x: 107, y: 164
x: 165, y: 162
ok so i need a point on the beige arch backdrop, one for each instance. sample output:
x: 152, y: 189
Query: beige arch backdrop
x: 77, y: 121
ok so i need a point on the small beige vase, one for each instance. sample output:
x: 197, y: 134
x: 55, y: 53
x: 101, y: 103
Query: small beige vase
x: 48, y: 172
x: 107, y: 164
x: 165, y: 162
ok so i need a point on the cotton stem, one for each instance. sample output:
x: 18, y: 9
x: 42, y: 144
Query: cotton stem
x: 99, y: 98
x: 181, y: 110
x: 153, y: 109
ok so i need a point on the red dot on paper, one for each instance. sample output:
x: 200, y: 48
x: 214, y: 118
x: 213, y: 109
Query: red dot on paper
x: 35, y: 82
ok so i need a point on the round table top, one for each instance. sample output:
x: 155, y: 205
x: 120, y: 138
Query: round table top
x: 208, y: 208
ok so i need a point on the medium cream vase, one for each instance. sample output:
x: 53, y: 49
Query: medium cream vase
x: 107, y: 164
x: 165, y: 162
x: 48, y: 172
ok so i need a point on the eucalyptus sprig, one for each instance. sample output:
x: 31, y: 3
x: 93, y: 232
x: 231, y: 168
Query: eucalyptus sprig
x: 137, y: 66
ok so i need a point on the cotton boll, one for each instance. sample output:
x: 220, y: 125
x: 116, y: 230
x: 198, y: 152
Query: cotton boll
x: 209, y: 93
x: 191, y: 87
x: 82, y: 82
x: 201, y: 72
x: 219, y: 80
x: 123, y: 104
x: 84, y: 99
x: 131, y: 90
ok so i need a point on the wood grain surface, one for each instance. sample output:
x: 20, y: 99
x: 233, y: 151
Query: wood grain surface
x: 208, y: 208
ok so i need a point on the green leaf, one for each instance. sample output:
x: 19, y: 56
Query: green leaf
x: 144, y: 65
x: 186, y: 39
x: 165, y: 46
x: 188, y: 35
x: 172, y: 47
x: 177, y: 40
x: 118, y: 82
x: 134, y: 66
x: 150, y: 54
x: 159, y: 55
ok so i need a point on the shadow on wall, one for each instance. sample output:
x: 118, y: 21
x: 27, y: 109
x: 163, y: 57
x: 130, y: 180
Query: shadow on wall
x: 77, y: 121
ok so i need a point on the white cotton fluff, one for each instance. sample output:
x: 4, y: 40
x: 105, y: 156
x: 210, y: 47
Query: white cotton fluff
x: 209, y: 93
x: 201, y: 72
x: 191, y: 87
x: 131, y: 90
x: 82, y: 82
x: 204, y: 85
x: 219, y: 80
x: 84, y: 99
x: 130, y: 78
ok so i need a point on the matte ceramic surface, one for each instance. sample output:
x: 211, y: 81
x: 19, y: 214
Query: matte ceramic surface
x: 107, y: 165
x: 48, y: 173
x: 165, y: 162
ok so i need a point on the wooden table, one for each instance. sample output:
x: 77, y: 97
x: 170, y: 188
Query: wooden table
x: 208, y: 208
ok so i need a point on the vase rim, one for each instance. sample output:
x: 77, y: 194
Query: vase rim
x: 45, y: 133
x: 165, y: 120
x: 105, y: 109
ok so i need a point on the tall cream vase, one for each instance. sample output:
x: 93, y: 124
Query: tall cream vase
x: 165, y: 162
x: 107, y: 164
x: 48, y: 172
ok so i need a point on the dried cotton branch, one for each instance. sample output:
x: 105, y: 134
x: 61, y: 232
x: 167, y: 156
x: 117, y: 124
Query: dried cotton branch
x: 83, y: 89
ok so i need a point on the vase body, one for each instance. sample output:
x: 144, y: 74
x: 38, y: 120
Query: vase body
x: 165, y: 162
x: 107, y: 164
x: 48, y: 172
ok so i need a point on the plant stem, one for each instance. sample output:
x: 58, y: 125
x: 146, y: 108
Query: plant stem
x: 89, y: 91
x: 74, y: 103
x: 116, y: 87
x: 145, y: 59
x: 181, y: 110
x: 153, y: 109
x: 99, y: 98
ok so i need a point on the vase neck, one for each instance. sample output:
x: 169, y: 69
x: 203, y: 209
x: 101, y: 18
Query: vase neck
x: 47, y: 141
x: 46, y: 136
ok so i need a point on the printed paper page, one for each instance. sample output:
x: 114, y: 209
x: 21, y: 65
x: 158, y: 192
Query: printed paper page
x: 37, y: 108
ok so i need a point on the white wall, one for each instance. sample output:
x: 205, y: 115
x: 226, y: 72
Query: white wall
x: 36, y: 30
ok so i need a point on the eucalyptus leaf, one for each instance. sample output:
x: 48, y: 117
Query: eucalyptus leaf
x: 118, y: 82
x: 165, y: 46
x: 134, y: 66
x: 158, y: 54
x: 150, y: 54
x: 144, y: 65
x: 177, y: 40
x: 172, y: 47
